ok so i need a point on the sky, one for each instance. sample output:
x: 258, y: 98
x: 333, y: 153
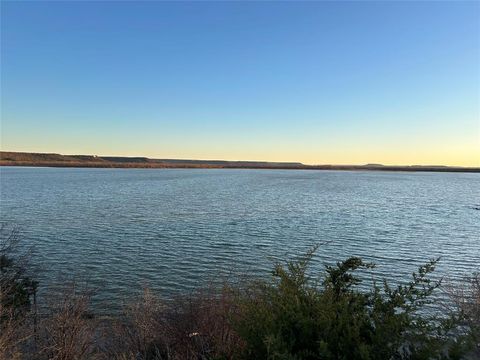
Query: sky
x: 314, y: 82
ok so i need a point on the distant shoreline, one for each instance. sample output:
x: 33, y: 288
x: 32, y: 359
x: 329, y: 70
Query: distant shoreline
x: 90, y: 161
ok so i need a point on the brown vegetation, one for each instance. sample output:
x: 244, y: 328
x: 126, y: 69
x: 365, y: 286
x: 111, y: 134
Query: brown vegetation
x: 291, y: 316
x: 466, y: 301
x: 90, y: 161
x: 195, y: 327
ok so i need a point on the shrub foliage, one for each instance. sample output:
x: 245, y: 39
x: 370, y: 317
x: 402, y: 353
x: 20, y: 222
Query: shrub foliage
x: 294, y: 314
x: 297, y: 316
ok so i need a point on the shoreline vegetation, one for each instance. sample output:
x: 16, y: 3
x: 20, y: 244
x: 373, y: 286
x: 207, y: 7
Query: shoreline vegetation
x: 295, y: 314
x: 93, y: 161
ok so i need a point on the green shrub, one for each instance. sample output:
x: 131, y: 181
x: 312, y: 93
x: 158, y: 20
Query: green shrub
x: 296, y: 316
x: 16, y: 286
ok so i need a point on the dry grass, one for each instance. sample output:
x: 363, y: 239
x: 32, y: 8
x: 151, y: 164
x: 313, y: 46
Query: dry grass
x: 194, y: 327
x: 464, y: 301
x: 68, y: 330
x: 13, y: 336
x: 197, y: 326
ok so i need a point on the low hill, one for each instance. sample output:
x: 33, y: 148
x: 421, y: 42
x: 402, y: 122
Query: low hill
x: 8, y: 158
x: 51, y: 159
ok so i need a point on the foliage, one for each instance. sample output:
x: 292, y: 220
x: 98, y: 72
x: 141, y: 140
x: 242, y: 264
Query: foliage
x: 67, y: 331
x: 16, y: 291
x: 194, y: 327
x: 296, y: 316
x: 466, y: 301
x: 16, y: 286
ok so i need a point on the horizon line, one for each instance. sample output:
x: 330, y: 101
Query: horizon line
x: 371, y: 164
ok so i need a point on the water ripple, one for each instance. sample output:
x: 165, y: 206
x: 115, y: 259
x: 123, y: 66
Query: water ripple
x: 174, y: 229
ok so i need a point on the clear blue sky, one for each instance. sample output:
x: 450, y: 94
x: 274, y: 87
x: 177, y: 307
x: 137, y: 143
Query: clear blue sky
x: 325, y: 82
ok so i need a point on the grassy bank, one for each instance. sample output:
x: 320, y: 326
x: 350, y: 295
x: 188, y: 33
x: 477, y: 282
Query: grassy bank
x: 292, y: 315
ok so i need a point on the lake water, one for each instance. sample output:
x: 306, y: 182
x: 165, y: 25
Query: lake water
x: 171, y: 229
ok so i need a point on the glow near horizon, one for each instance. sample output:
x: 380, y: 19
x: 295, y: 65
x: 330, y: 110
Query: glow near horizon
x: 318, y: 83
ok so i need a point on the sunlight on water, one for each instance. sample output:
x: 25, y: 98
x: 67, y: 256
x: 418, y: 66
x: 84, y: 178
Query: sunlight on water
x: 172, y: 230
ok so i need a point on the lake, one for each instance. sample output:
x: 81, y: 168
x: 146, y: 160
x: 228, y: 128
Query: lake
x: 173, y: 229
